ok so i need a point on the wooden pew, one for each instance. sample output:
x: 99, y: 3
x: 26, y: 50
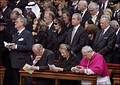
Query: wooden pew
x: 116, y: 72
x: 59, y: 76
x: 2, y: 71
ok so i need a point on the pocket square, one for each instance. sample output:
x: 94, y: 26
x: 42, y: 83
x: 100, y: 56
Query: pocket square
x: 21, y: 39
x: 105, y: 37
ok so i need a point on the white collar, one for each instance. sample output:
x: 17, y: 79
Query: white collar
x: 106, y: 4
x: 17, y: 2
x: 106, y: 29
x: 118, y: 30
x: 84, y: 12
x: 75, y: 3
x: 50, y: 24
x: 76, y: 27
x: 20, y: 31
x: 4, y: 9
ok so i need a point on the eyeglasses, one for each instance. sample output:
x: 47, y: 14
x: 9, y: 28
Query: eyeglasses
x: 55, y: 23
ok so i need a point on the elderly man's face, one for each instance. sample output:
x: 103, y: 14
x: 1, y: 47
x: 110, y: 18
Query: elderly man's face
x: 81, y: 6
x: 93, y: 11
x: 103, y: 23
x: 86, y: 55
x: 18, y: 24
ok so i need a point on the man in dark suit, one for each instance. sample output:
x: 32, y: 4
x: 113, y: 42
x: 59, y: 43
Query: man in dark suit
x: 77, y: 36
x: 95, y: 12
x: 5, y: 61
x: 116, y: 27
x: 103, y: 4
x: 5, y: 9
x: 82, y: 7
x: 20, y: 48
x: 105, y: 39
x: 18, y: 4
x: 49, y: 17
x: 42, y: 59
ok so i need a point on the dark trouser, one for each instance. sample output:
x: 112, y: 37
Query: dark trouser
x: 16, y: 76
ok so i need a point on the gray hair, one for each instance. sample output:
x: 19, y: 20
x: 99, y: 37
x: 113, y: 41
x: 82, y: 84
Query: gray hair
x: 22, y: 19
x: 84, y: 3
x: 115, y: 23
x: 106, y: 17
x: 87, y: 49
x: 18, y: 10
x: 93, y: 5
x: 79, y: 17
x: 37, y: 46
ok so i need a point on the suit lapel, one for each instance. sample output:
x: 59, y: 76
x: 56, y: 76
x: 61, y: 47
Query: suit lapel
x: 102, y: 37
x: 76, y: 34
x: 16, y: 37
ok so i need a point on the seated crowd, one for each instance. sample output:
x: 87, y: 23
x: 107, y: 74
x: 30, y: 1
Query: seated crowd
x: 80, y: 36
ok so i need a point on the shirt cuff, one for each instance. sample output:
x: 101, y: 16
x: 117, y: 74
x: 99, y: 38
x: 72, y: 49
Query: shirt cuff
x: 16, y: 46
x: 89, y: 71
x: 38, y: 68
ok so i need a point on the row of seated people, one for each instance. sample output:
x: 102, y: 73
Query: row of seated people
x: 91, y: 63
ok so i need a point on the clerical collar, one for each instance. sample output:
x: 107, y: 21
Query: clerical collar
x: 50, y: 24
x: 20, y: 31
x: 106, y: 29
x: 4, y: 9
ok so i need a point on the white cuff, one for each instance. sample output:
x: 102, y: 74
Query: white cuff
x: 89, y: 71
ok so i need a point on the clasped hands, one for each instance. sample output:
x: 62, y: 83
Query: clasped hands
x: 78, y: 69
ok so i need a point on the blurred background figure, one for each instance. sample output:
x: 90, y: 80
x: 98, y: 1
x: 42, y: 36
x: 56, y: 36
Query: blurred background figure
x: 5, y: 61
x: 116, y: 27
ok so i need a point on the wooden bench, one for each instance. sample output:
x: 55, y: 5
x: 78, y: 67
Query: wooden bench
x: 116, y: 79
x: 2, y: 71
x: 58, y: 76
x: 116, y: 72
x: 115, y: 67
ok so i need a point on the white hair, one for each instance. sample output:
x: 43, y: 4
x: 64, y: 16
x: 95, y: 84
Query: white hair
x: 84, y: 3
x: 18, y: 10
x: 115, y: 23
x: 79, y: 17
x: 87, y: 49
x: 93, y: 5
x: 106, y: 17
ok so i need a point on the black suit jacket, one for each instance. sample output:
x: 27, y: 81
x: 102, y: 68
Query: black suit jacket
x: 46, y: 59
x: 106, y: 44
x: 22, y: 54
x: 79, y: 40
x: 50, y: 32
x: 67, y: 64
x: 86, y: 16
x: 57, y: 40
x: 6, y: 13
x: 4, y: 52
